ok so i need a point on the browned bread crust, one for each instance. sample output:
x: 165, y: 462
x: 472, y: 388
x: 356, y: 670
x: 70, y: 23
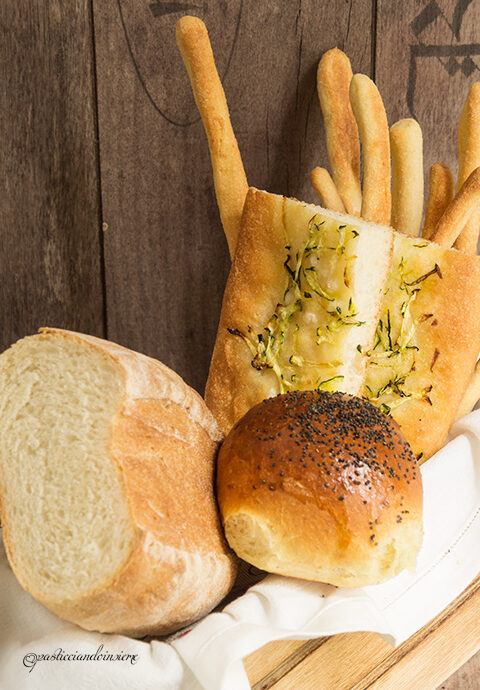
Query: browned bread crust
x: 334, y: 75
x: 228, y: 171
x: 163, y: 442
x: 459, y: 212
x: 321, y: 486
x: 372, y: 124
x: 440, y: 194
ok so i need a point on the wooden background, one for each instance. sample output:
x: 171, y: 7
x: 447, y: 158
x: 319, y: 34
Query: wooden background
x: 110, y: 224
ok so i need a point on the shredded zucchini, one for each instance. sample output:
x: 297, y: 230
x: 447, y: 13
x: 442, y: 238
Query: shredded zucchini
x: 277, y: 347
x: 392, y: 360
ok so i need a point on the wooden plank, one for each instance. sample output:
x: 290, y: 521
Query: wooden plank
x: 276, y: 659
x: 427, y: 55
x: 466, y: 678
x: 435, y: 656
x: 364, y: 660
x: 337, y: 662
x: 50, y: 250
x: 166, y: 257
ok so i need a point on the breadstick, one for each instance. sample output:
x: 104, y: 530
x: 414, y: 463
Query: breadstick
x: 228, y: 172
x: 326, y: 190
x: 440, y: 194
x: 467, y: 241
x: 372, y: 124
x: 469, y: 135
x: 471, y: 395
x: 407, y: 176
x: 334, y: 75
x: 459, y: 211
x: 468, y: 160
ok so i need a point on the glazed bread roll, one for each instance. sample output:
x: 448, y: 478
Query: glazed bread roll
x: 321, y: 486
x: 106, y: 486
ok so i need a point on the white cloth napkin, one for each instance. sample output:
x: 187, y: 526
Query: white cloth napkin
x: 209, y: 655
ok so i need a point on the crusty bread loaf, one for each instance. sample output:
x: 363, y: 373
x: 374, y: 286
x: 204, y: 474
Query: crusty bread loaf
x: 304, y: 294
x: 106, y: 486
x: 321, y: 486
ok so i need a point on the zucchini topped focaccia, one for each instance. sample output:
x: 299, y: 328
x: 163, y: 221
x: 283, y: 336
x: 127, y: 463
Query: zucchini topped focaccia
x: 427, y: 340
x: 317, y: 299
x: 301, y: 304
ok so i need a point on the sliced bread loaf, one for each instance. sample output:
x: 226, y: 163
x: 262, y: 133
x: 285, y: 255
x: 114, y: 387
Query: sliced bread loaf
x: 106, y: 486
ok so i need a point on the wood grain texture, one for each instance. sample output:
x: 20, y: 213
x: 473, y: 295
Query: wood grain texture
x: 466, y: 678
x: 275, y: 659
x: 50, y: 253
x: 359, y: 661
x: 427, y: 56
x: 166, y: 257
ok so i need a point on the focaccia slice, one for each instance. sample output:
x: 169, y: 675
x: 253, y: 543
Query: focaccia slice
x: 301, y: 305
x: 427, y: 340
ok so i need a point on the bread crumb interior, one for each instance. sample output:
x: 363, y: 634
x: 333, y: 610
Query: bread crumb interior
x: 64, y: 505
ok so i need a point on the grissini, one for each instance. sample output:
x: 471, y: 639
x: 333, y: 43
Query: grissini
x: 334, y: 75
x: 228, y: 171
x: 406, y: 145
x: 106, y: 486
x: 326, y: 190
x: 468, y: 160
x: 367, y: 106
x: 460, y: 210
x: 440, y: 195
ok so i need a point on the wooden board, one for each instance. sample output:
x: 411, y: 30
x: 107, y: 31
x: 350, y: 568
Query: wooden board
x: 110, y: 224
x: 435, y: 48
x: 364, y: 660
x: 50, y: 246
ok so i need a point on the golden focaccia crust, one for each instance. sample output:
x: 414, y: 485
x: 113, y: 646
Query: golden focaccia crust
x: 419, y: 374
x: 304, y: 292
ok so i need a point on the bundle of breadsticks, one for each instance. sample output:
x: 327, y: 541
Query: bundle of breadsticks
x: 347, y: 296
